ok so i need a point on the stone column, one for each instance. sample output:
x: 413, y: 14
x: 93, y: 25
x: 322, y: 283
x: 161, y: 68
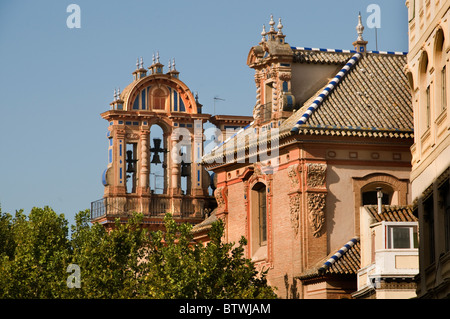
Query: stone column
x: 143, y: 189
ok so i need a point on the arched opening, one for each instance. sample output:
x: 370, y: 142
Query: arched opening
x: 441, y: 75
x: 369, y: 194
x: 131, y: 168
x: 158, y: 162
x: 425, y: 98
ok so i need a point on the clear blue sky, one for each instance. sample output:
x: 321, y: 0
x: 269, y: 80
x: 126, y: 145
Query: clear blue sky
x: 55, y: 81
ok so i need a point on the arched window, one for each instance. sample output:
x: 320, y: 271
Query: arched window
x: 369, y: 194
x: 425, y: 99
x: 259, y: 216
x: 441, y: 79
x: 159, y: 99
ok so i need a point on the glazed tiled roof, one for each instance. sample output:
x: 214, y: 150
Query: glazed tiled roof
x: 392, y: 213
x: 309, y: 55
x: 372, y: 96
x: 371, y: 99
x: 346, y: 261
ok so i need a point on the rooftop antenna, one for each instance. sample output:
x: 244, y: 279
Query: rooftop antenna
x: 216, y: 98
x: 376, y: 39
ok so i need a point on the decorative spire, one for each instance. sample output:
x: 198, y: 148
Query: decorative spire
x: 271, y: 23
x: 142, y: 63
x: 153, y: 58
x: 359, y: 28
x: 137, y: 64
x: 360, y: 44
x: 170, y: 66
x: 118, y: 93
x: 173, y: 64
x: 263, y: 34
x: 115, y: 94
x: 279, y: 27
x: 157, y: 56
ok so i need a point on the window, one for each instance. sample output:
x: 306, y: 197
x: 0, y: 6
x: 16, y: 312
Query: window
x: 443, y: 88
x: 159, y: 100
x: 262, y: 216
x: 369, y: 194
x: 401, y: 237
x: 259, y: 217
x: 370, y: 198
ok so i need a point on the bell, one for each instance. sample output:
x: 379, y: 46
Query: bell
x: 130, y: 161
x: 156, y: 159
x: 185, y: 169
x: 157, y: 143
x: 130, y: 168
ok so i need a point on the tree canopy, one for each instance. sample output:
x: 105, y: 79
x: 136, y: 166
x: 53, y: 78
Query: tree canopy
x: 39, y: 260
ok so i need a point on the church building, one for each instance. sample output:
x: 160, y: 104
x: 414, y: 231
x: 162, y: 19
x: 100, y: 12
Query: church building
x: 331, y: 133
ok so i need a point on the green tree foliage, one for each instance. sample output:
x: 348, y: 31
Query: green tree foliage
x: 126, y: 262
x: 41, y: 251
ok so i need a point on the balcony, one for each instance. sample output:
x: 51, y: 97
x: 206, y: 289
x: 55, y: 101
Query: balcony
x: 391, y: 263
x: 154, y: 206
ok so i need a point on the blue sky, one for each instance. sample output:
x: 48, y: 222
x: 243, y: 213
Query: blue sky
x: 55, y: 81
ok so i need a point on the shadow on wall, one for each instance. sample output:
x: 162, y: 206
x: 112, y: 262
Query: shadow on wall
x: 291, y: 289
x: 331, y: 200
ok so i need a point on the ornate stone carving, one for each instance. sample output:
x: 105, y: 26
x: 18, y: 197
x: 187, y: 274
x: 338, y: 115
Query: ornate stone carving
x: 257, y: 111
x: 316, y: 174
x: 292, y: 172
x: 316, y: 212
x: 284, y: 76
x: 132, y: 136
x: 294, y: 207
x: 221, y: 196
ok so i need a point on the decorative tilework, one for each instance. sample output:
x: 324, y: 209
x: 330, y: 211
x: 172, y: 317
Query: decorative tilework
x: 331, y: 85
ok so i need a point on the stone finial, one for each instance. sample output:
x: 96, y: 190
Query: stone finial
x: 173, y: 64
x: 137, y: 64
x: 157, y: 56
x: 263, y: 34
x: 359, y: 28
x: 115, y: 94
x: 153, y: 58
x: 271, y: 23
x: 170, y: 66
x: 360, y: 44
x: 279, y: 27
x: 142, y: 63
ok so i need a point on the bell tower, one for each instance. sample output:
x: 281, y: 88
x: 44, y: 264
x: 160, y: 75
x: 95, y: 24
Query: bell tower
x: 155, y: 144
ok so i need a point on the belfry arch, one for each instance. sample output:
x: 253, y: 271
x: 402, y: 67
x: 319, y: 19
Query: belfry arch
x: 155, y: 128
